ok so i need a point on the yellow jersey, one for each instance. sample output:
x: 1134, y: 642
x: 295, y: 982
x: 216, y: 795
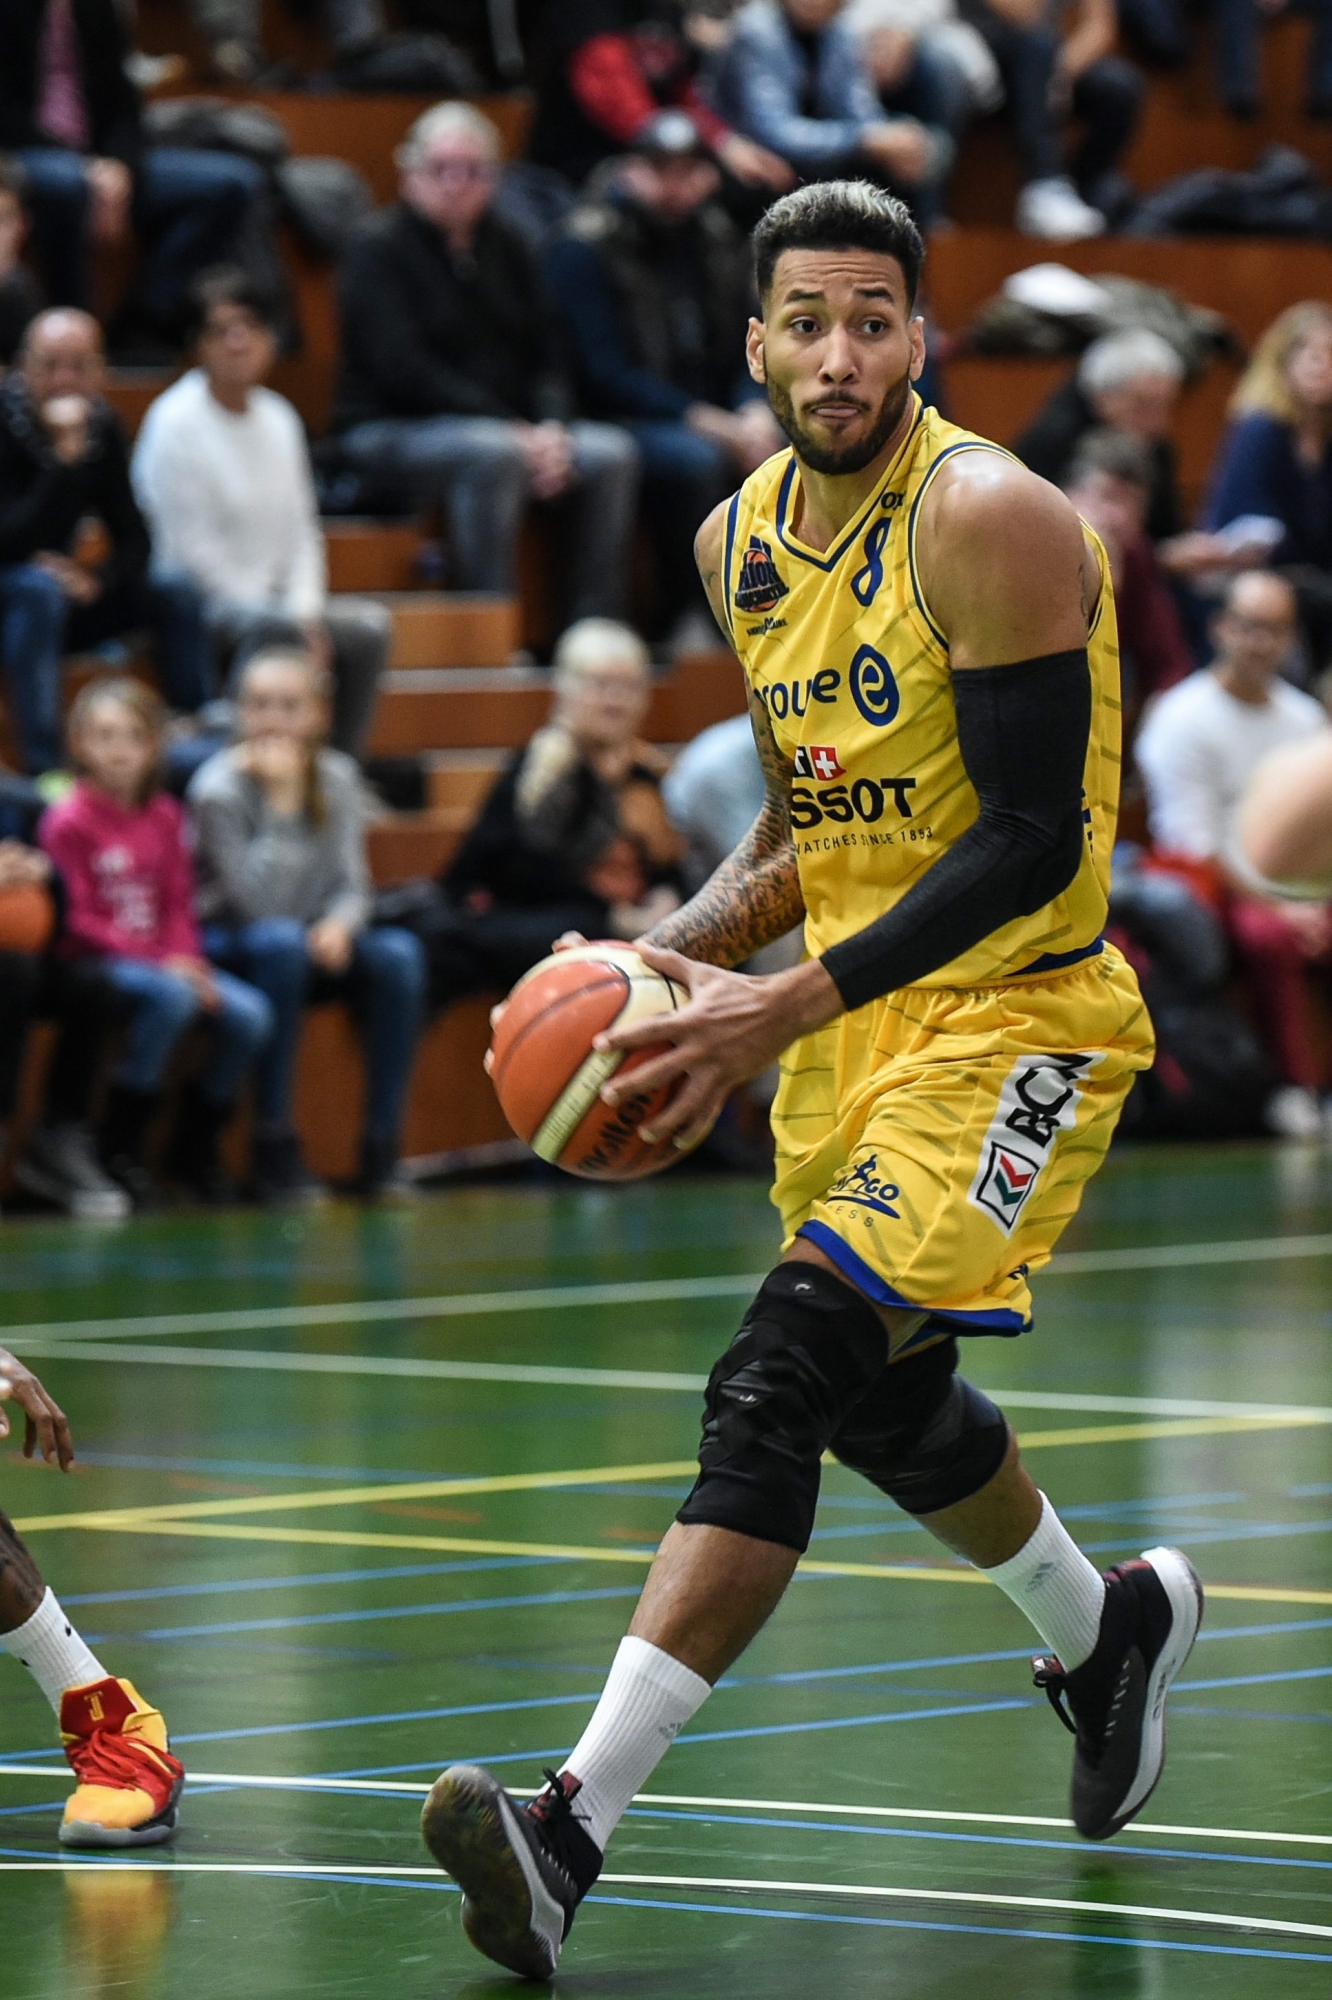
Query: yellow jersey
x: 841, y: 648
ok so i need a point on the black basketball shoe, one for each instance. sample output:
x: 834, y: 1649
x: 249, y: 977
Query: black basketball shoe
x: 523, y: 1870
x: 1153, y: 1608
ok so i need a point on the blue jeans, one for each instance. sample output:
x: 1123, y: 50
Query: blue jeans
x: 188, y: 206
x: 38, y: 624
x: 384, y: 986
x: 1238, y: 27
x: 165, y: 1005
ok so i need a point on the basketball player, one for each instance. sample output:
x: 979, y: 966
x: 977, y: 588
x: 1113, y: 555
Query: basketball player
x: 129, y: 1783
x: 928, y: 639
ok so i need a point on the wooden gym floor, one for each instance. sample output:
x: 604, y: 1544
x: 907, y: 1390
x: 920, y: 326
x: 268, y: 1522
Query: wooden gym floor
x: 361, y: 1494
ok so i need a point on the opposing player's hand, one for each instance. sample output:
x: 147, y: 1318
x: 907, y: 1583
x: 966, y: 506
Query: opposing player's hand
x: 46, y: 1427
x: 734, y: 1025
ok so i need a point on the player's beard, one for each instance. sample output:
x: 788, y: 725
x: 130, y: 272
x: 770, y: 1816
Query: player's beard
x: 852, y: 457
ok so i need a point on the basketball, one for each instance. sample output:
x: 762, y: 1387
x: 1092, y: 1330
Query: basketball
x: 548, y: 1077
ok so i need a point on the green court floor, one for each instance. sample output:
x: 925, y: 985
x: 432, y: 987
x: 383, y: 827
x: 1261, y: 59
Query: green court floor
x: 362, y: 1494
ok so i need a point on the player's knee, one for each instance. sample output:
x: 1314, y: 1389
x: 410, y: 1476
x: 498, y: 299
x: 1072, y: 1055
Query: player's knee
x: 945, y: 1442
x: 807, y: 1350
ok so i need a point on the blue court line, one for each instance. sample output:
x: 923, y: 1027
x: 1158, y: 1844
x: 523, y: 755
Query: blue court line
x: 1238, y: 1531
x: 443, y: 1609
x: 134, y: 1461
x: 1256, y: 1680
x: 1213, y: 1712
x: 228, y: 1588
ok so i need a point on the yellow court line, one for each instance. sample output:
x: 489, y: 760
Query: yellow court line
x: 527, y: 1482
x: 570, y: 1552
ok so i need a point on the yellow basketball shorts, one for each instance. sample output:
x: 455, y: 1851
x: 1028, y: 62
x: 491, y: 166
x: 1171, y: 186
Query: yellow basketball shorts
x: 935, y: 1143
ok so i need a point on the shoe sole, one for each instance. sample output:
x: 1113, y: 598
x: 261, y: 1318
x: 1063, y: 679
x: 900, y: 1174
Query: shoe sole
x: 1183, y: 1586
x: 507, y: 1912
x: 153, y: 1832
x: 107, y: 1206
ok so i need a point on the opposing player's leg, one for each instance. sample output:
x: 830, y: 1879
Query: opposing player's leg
x: 945, y: 1453
x: 808, y: 1349
x: 129, y: 1783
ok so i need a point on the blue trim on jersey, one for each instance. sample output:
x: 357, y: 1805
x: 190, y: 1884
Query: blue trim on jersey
x: 990, y: 1319
x: 732, y: 518
x: 1055, y: 961
x: 834, y: 556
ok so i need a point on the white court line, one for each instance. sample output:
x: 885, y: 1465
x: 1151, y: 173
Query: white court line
x: 404, y: 1788
x: 550, y: 1298
x: 743, y: 1885
x: 279, y: 1361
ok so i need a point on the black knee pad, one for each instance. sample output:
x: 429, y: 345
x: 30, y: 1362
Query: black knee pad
x: 807, y: 1350
x: 924, y: 1436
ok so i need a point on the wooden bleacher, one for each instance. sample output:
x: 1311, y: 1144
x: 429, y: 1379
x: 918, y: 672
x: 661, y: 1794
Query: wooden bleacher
x: 451, y: 698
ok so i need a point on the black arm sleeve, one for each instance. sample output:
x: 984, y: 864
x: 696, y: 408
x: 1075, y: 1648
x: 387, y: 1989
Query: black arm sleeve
x: 1023, y: 732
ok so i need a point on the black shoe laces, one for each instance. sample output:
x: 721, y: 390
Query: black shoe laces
x: 1048, y: 1672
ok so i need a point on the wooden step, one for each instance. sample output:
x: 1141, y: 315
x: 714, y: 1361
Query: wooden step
x: 457, y: 708
x: 403, y: 846
x: 436, y: 628
x: 129, y: 391
x: 461, y: 780
x: 368, y: 555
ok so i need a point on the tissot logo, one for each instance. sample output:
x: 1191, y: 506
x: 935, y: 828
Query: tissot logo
x: 759, y: 586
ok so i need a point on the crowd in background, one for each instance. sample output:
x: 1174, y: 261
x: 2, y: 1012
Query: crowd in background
x: 182, y: 874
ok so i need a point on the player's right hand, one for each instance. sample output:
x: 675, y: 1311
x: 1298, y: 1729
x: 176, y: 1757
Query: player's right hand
x: 46, y: 1426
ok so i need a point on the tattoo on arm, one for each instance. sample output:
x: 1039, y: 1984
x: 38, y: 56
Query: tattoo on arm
x: 754, y: 897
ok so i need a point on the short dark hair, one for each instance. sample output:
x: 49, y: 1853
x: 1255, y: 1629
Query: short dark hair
x: 1115, y: 452
x: 229, y: 285
x: 838, y: 215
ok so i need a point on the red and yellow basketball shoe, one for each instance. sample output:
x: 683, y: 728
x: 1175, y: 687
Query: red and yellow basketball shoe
x: 129, y: 1783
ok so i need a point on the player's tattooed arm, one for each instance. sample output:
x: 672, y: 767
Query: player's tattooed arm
x: 754, y: 897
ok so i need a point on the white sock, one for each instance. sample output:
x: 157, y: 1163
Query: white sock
x: 52, y: 1651
x: 1052, y: 1581
x: 647, y: 1700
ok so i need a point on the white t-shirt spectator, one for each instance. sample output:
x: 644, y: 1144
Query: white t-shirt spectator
x: 1197, y: 751
x: 230, y: 501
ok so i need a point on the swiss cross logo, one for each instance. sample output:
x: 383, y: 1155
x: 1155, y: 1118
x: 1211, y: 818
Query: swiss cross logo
x: 818, y: 760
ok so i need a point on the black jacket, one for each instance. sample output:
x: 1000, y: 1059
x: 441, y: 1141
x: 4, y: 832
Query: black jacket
x: 1051, y: 439
x: 43, y: 501
x: 113, y: 102
x: 656, y: 315
x: 426, y: 334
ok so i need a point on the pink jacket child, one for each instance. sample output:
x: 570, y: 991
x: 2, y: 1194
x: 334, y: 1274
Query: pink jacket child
x: 121, y: 849
x: 128, y: 876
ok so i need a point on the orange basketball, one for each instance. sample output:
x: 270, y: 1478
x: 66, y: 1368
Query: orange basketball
x: 548, y: 1078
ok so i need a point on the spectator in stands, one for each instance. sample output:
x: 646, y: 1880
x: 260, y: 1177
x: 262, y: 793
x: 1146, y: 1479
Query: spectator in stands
x: 59, y: 1161
x: 795, y: 80
x: 1110, y: 484
x: 222, y: 472
x: 71, y: 115
x: 285, y: 898
x: 1236, y: 37
x: 1198, y: 750
x: 119, y: 844
x: 924, y: 59
x: 1275, y: 461
x: 63, y: 587
x: 452, y: 385
x: 1056, y: 61
x: 652, y: 281
x: 605, y: 67
x: 1131, y: 382
x: 574, y: 835
x: 20, y: 299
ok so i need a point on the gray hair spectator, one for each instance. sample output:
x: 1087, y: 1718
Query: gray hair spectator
x: 1198, y: 751
x: 1130, y: 381
x: 653, y: 283
x: 795, y: 79
x: 222, y: 472
x: 452, y: 387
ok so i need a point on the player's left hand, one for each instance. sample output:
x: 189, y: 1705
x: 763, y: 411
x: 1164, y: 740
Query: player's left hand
x: 734, y: 1025
x: 46, y: 1427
